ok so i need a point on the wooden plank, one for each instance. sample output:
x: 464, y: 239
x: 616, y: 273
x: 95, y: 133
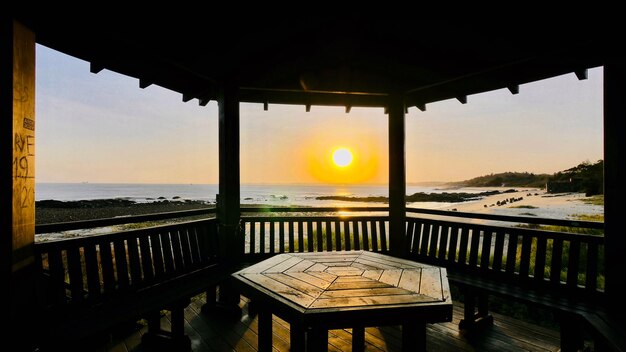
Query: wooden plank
x: 284, y: 291
x: 540, y: 259
x: 511, y: 253
x: 357, y: 235
x: 317, y: 267
x: 177, y: 251
x: 93, y: 272
x: 374, y: 233
x: 297, y: 284
x: 410, y: 280
x: 344, y: 270
x: 322, y: 275
x: 300, y: 237
x: 75, y: 274
x: 338, y: 244
x: 344, y: 302
x: 291, y: 237
x: 319, y: 236
x: 527, y: 241
x: 252, y: 236
x: 133, y: 261
x: 430, y: 283
x: 424, y: 238
x: 366, y: 237
x: 344, y: 285
x: 268, y: 263
x: 463, y: 246
x: 185, y: 246
x: 434, y: 241
x: 372, y: 274
x: 475, y: 242
x: 262, y: 246
x: 498, y: 251
x: 168, y: 253
x: 301, y: 266
x: 106, y: 260
x: 329, y: 236
x: 592, y: 267
x: 573, y: 262
x: 193, y: 245
x: 284, y: 265
x: 410, y: 235
x: 452, y: 248
x: 346, y: 235
x: 281, y: 237
x: 383, y: 236
x: 57, y: 276
x: 375, y: 264
x: 365, y: 292
x: 311, y: 279
x: 391, y: 276
x: 157, y: 254
x: 442, y: 250
x: 121, y: 263
x: 485, y: 254
x: 557, y: 261
x: 146, y: 258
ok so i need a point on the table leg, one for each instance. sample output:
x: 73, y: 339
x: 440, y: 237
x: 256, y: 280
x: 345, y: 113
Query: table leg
x: 317, y: 339
x: 265, y: 331
x: 414, y: 337
x: 358, y: 339
x: 297, y: 337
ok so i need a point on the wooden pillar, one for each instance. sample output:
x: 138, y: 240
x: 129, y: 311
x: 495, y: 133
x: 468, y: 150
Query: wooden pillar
x: 231, y: 241
x: 614, y: 179
x: 397, y: 176
x: 17, y: 192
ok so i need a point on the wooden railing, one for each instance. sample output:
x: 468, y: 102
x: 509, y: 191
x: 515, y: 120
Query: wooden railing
x: 556, y: 259
x: 85, y: 269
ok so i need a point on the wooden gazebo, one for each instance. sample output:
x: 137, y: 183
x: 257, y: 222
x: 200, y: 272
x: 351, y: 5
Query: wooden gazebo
x: 352, y: 60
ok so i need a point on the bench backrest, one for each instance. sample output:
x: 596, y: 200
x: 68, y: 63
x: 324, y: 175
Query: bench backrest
x: 527, y: 256
x: 86, y: 270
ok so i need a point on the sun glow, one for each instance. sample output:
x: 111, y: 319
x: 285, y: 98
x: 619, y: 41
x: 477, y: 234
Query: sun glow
x: 342, y: 157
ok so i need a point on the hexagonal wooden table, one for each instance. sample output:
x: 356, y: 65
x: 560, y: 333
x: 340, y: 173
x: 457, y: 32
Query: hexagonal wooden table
x: 319, y: 291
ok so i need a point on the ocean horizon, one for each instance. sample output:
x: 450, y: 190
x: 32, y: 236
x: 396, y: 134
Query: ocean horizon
x: 270, y: 194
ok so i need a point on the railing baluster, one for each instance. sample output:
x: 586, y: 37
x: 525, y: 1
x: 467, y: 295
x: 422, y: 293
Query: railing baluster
x: 346, y: 235
x: 383, y: 235
x: 357, y: 235
x: 591, y: 280
x: 193, y: 245
x: 272, y: 236
x: 454, y: 238
x: 573, y: 263
x: 106, y: 258
x: 485, y: 255
x: 434, y: 242
x: 168, y: 252
x: 57, y: 276
x: 157, y: 253
x: 93, y: 272
x: 134, y: 261
x: 75, y: 269
x: 498, y: 251
x: 557, y: 261
x: 262, y: 237
x: 281, y: 236
x: 540, y: 258
x: 374, y: 232
x: 146, y: 258
x: 252, y: 225
x: 301, y: 236
x: 291, y: 237
x: 463, y: 247
x: 511, y: 253
x: 176, y: 250
x: 338, y: 245
x: 410, y: 235
x: 329, y: 236
x: 443, y: 244
x: 121, y: 263
x: 473, y: 258
x: 524, y: 265
x: 309, y: 235
x: 366, y: 237
x: 424, y: 237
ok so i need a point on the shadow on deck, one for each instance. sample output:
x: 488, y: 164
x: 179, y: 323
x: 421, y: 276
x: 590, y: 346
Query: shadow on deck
x: 215, y: 333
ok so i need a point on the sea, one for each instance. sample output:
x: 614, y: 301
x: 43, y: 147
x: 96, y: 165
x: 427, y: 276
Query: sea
x: 266, y: 194
x: 287, y: 195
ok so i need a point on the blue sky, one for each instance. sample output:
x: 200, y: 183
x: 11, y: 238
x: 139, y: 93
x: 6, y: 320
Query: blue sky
x: 104, y: 128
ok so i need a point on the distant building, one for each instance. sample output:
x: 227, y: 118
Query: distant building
x: 564, y: 186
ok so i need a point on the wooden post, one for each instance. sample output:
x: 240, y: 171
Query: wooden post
x: 228, y: 214
x: 17, y: 192
x: 397, y: 176
x: 614, y: 176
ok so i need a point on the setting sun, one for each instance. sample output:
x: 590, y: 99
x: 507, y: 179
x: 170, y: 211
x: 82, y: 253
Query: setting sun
x: 342, y: 157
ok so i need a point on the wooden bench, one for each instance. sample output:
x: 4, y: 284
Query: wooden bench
x: 91, y: 284
x: 552, y: 270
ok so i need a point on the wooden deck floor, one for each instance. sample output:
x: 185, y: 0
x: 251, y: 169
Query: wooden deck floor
x: 214, y: 333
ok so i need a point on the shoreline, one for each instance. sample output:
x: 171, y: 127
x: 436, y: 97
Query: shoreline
x: 524, y: 202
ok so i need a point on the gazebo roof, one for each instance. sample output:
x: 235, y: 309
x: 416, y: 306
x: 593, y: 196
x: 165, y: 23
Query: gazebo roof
x: 354, y: 60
